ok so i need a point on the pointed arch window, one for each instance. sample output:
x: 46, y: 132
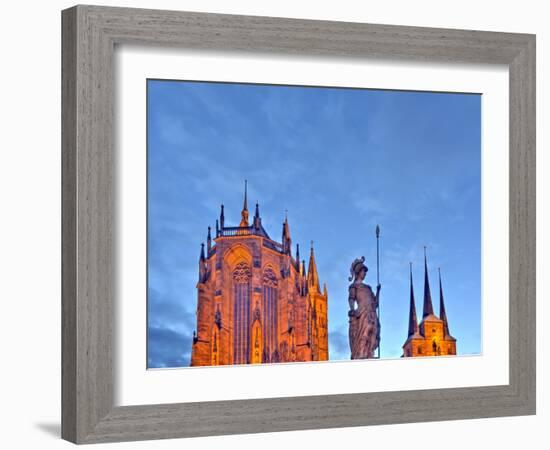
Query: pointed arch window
x: 215, y: 342
x: 241, y: 313
x: 308, y: 318
x: 270, y: 316
x: 257, y: 350
x: 314, y: 336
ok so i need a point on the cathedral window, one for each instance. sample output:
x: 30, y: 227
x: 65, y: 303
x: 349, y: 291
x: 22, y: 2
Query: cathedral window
x: 215, y: 346
x: 257, y: 343
x: 241, y: 313
x: 270, y: 322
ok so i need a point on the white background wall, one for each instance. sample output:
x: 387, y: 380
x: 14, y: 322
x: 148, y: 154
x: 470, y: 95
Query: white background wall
x: 31, y: 209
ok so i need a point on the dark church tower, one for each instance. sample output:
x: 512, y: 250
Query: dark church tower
x: 431, y: 337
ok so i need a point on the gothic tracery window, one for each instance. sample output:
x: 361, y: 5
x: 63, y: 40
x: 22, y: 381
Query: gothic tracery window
x: 241, y: 313
x: 257, y: 343
x: 270, y: 319
x: 215, y: 342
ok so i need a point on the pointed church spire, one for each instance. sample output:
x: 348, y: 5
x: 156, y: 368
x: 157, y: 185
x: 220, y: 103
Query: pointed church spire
x: 222, y: 218
x: 428, y: 307
x: 245, y: 205
x: 312, y: 276
x: 442, y: 312
x: 413, y: 321
x: 286, y: 228
x: 303, y: 279
x: 298, y: 255
x: 287, y: 241
x: 208, y: 241
x: 202, y: 265
x: 257, y: 220
x: 244, y: 212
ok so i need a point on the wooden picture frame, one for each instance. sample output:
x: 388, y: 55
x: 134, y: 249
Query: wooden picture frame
x: 90, y: 34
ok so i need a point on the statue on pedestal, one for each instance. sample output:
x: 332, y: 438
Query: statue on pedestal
x: 364, y: 325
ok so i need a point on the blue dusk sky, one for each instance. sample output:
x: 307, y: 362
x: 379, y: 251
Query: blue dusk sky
x: 340, y: 161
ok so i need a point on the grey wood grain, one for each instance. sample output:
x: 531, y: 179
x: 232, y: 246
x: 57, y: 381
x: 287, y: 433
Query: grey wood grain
x: 88, y: 198
x: 68, y: 227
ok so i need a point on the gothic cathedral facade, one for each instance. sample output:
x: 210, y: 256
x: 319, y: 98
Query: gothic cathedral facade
x: 256, y: 303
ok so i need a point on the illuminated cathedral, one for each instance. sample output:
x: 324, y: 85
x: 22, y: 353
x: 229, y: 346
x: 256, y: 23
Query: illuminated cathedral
x: 256, y: 302
x: 432, y: 336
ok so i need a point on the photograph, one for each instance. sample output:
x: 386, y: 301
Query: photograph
x: 290, y: 224
x: 268, y: 224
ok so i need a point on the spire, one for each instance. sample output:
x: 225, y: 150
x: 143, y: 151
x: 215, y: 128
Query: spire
x: 413, y: 322
x: 245, y: 205
x: 428, y: 307
x: 287, y: 241
x: 312, y: 276
x: 257, y: 220
x: 217, y: 228
x: 222, y: 218
x: 298, y: 255
x: 208, y: 241
x: 202, y: 265
x: 303, y: 279
x: 244, y: 212
x: 325, y: 293
x: 286, y: 228
x: 442, y: 313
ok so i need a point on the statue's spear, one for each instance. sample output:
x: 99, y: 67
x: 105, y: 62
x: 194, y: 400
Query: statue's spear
x: 378, y: 281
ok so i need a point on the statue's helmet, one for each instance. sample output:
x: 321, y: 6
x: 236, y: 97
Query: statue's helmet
x: 356, y: 267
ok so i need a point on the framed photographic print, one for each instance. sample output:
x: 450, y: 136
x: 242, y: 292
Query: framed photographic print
x: 268, y: 222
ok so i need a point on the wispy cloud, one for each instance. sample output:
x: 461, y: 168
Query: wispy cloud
x: 339, y: 345
x: 168, y: 348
